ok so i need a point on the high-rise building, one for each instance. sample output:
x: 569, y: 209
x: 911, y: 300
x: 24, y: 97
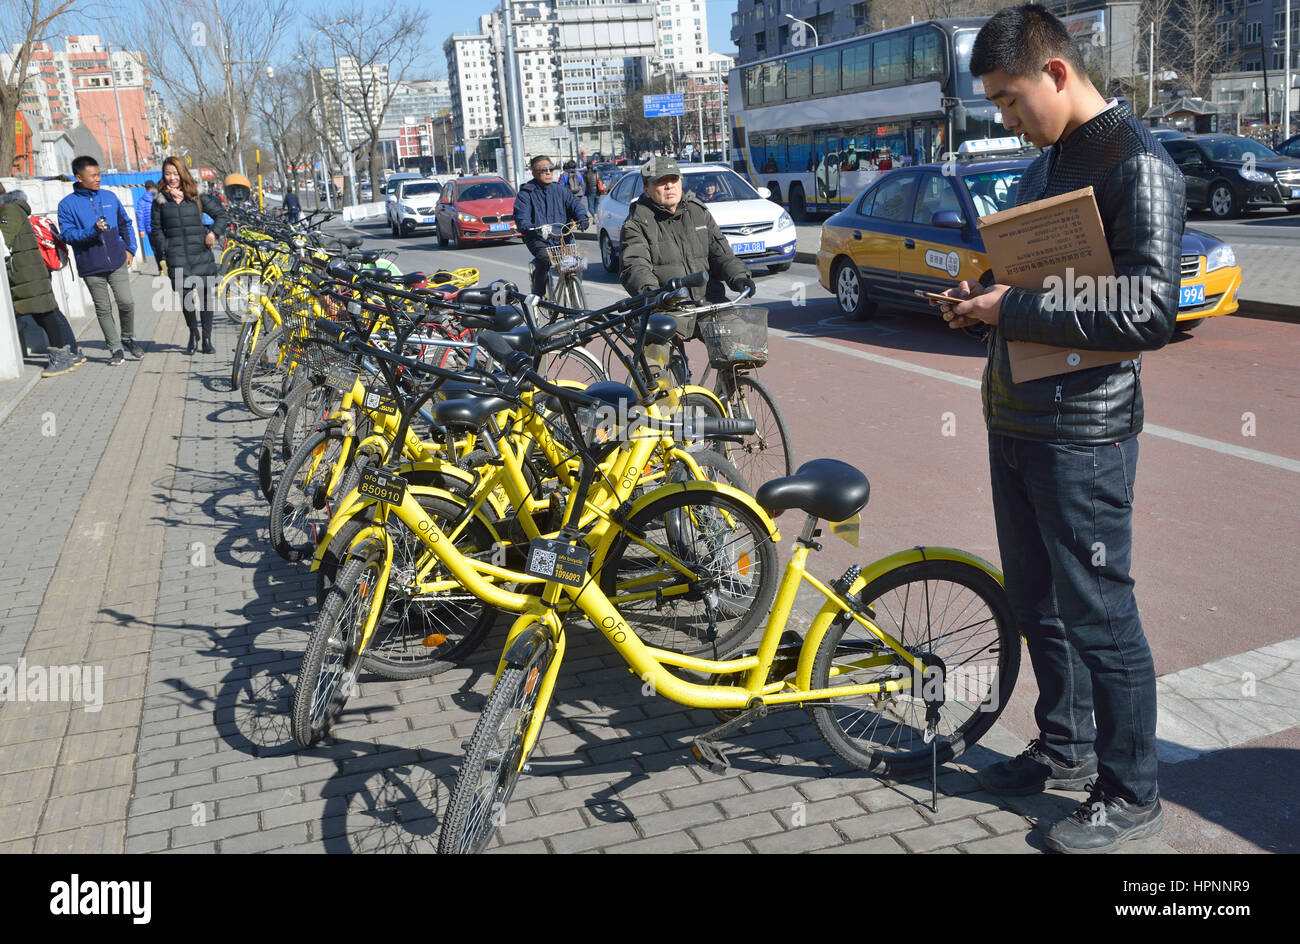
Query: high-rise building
x: 107, y: 89
x: 472, y: 84
x: 683, y: 35
x: 364, y: 89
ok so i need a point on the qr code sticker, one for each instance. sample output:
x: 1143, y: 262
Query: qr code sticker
x: 543, y: 562
x: 372, y: 401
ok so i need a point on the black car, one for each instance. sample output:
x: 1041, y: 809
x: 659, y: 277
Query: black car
x: 1228, y: 175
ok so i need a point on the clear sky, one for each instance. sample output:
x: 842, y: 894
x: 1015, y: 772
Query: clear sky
x: 461, y: 16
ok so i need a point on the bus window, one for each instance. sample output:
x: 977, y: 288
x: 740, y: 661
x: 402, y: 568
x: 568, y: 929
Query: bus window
x: 753, y: 86
x: 890, y: 60
x: 798, y: 152
x: 773, y: 82
x: 927, y: 56
x: 797, y: 77
x: 826, y: 72
x: 856, y: 67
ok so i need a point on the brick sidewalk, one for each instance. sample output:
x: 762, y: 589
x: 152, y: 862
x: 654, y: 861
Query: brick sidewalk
x: 162, y: 575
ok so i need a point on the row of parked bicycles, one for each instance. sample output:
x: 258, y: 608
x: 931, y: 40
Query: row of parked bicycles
x: 440, y: 453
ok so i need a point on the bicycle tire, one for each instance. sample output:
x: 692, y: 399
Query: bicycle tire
x: 301, y: 505
x: 576, y: 364
x: 234, y: 293
x: 495, y: 757
x: 270, y: 463
x: 733, y: 561
x: 397, y: 649
x: 264, y: 375
x: 331, y: 662
x: 767, y: 454
x: 883, y: 734
x: 242, y: 347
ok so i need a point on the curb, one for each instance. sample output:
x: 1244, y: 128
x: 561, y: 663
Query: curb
x: 1266, y: 311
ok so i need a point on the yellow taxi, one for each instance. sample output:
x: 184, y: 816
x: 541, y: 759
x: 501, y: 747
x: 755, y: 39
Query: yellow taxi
x: 914, y: 229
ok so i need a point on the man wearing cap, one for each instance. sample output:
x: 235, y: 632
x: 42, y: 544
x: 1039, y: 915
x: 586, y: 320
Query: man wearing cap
x: 668, y: 234
x: 542, y: 201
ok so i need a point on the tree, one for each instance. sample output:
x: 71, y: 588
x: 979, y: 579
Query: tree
x: 211, y: 57
x: 29, y: 22
x: 1197, y: 51
x: 284, y: 105
x: 373, y: 47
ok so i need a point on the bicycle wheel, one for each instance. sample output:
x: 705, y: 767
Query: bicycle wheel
x: 767, y: 454
x: 263, y: 377
x: 242, y: 348
x: 576, y: 364
x: 408, y: 618
x: 236, y: 292
x: 732, y: 577
x: 332, y: 662
x: 947, y: 609
x: 495, y: 757
x: 302, y: 502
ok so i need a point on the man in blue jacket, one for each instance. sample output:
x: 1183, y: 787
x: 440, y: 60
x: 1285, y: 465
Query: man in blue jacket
x: 95, y: 225
x: 143, y: 209
x: 541, y: 201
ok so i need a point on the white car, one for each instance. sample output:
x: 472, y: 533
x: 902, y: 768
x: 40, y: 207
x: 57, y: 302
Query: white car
x: 759, y: 231
x: 412, y: 205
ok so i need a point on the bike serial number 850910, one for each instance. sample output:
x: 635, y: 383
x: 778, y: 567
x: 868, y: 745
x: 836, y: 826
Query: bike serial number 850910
x: 383, y: 485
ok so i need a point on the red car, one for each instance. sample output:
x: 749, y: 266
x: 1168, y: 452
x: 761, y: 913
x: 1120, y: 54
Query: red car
x: 473, y: 209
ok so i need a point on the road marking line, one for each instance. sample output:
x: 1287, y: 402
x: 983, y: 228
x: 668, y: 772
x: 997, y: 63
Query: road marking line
x: 1164, y: 432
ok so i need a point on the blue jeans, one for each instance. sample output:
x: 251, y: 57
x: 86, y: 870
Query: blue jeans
x: 592, y: 200
x: 1064, y: 516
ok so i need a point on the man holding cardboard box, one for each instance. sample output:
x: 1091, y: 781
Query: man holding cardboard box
x: 1063, y: 446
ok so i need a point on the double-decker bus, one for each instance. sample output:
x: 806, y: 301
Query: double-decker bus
x: 816, y: 126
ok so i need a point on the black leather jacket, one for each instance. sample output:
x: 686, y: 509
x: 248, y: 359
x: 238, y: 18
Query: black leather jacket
x: 1140, y: 194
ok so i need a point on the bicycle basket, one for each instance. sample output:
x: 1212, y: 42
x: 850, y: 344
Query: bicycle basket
x: 735, y: 336
x: 568, y: 257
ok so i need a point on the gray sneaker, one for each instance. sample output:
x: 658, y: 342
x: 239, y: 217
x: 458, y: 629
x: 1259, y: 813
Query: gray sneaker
x: 1103, y: 823
x: 61, y: 362
x: 1035, y: 771
x: 116, y: 359
x: 133, y: 348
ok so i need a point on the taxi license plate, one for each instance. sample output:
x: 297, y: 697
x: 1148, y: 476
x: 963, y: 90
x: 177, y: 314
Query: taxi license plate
x: 741, y: 249
x: 1190, y: 295
x: 498, y: 227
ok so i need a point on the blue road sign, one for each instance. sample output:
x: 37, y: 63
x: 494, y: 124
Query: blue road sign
x: 663, y: 106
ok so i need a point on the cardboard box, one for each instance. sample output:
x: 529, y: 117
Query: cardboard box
x: 1059, y: 237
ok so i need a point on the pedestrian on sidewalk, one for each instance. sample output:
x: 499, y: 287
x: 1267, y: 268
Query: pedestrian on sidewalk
x: 143, y: 206
x: 1063, y: 449
x: 182, y: 240
x: 30, y: 285
x: 595, y: 187
x: 94, y: 223
x: 292, y: 206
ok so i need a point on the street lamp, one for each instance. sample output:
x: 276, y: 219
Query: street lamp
x: 796, y: 19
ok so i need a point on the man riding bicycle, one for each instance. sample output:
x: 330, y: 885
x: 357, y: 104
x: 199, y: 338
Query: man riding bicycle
x: 669, y: 234
x: 542, y: 201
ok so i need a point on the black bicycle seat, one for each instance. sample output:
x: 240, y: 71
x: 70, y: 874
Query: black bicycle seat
x: 468, y: 412
x: 824, y: 488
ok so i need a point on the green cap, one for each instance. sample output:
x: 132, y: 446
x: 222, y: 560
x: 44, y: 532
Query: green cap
x: 657, y: 167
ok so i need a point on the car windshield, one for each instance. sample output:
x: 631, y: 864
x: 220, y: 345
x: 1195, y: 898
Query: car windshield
x: 993, y: 191
x: 1236, y: 149
x: 716, y: 186
x: 421, y: 188
x: 485, y: 190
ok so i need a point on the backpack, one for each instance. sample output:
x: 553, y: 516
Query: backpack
x: 54, y: 251
x: 575, y: 183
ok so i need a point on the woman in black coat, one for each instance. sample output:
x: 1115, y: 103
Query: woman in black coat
x: 180, y: 239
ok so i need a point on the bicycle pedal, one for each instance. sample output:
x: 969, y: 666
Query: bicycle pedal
x: 709, y: 756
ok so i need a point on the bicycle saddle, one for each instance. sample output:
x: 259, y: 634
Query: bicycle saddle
x: 502, y: 319
x: 824, y: 488
x: 469, y: 412
x: 361, y: 257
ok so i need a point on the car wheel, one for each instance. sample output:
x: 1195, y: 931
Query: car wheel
x: 850, y: 294
x: 1223, y: 202
x: 455, y: 237
x: 608, y: 258
x: 442, y: 240
x: 779, y: 268
x: 1189, y: 325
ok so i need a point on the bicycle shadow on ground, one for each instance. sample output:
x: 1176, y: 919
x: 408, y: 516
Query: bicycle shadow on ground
x: 390, y: 800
